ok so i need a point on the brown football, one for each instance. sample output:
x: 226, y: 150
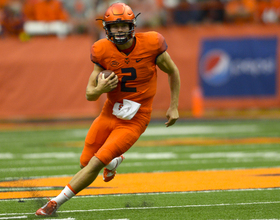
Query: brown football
x: 106, y: 74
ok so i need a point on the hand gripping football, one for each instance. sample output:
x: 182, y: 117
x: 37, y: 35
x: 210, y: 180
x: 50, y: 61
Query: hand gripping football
x: 106, y: 74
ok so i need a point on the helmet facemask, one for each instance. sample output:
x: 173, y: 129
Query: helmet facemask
x: 121, y: 37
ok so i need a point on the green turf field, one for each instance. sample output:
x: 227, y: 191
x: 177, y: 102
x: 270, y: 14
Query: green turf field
x: 35, y: 152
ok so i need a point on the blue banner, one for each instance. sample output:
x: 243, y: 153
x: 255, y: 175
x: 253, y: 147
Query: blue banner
x: 238, y: 67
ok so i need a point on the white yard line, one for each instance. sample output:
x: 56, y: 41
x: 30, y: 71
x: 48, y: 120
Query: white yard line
x: 172, y: 207
x: 156, y: 207
x: 182, y: 130
x: 72, y: 155
x: 120, y: 219
x: 15, y: 217
x: 24, y: 169
x: 145, y: 164
x: 59, y: 218
x: 237, y: 154
x: 190, y: 130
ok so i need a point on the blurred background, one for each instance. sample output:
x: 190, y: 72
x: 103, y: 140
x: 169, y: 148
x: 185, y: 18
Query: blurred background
x: 226, y: 51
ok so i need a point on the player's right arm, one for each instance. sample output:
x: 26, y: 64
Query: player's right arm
x: 93, y: 90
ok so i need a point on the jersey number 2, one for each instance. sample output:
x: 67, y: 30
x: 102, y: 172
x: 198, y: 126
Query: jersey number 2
x: 132, y: 76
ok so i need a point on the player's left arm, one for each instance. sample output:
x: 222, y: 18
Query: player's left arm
x: 166, y: 64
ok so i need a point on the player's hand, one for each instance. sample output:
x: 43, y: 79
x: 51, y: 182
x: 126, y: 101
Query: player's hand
x: 172, y: 116
x: 108, y: 84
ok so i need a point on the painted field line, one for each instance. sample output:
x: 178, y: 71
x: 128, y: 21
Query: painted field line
x: 189, y: 141
x: 172, y: 207
x: 120, y: 219
x: 25, y: 169
x: 59, y: 218
x: 199, y: 129
x: 154, y: 182
x: 15, y: 217
x: 72, y: 155
x: 145, y: 164
x: 155, y: 207
x: 152, y: 193
x: 181, y: 130
x: 192, y: 141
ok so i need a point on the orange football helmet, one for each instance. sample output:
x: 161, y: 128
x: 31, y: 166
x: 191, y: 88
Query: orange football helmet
x: 119, y: 13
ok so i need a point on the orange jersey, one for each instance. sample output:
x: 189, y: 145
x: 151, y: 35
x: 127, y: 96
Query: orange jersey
x: 136, y: 72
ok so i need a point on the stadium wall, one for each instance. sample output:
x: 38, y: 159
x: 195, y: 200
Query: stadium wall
x: 46, y: 77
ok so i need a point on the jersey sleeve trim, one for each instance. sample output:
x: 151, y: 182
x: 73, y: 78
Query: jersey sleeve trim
x: 162, y: 46
x: 94, y: 59
x: 160, y: 54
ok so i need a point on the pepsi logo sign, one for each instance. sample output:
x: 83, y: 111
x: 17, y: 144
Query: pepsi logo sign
x: 214, y: 67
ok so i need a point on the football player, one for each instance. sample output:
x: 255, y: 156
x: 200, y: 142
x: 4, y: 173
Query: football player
x: 130, y: 89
